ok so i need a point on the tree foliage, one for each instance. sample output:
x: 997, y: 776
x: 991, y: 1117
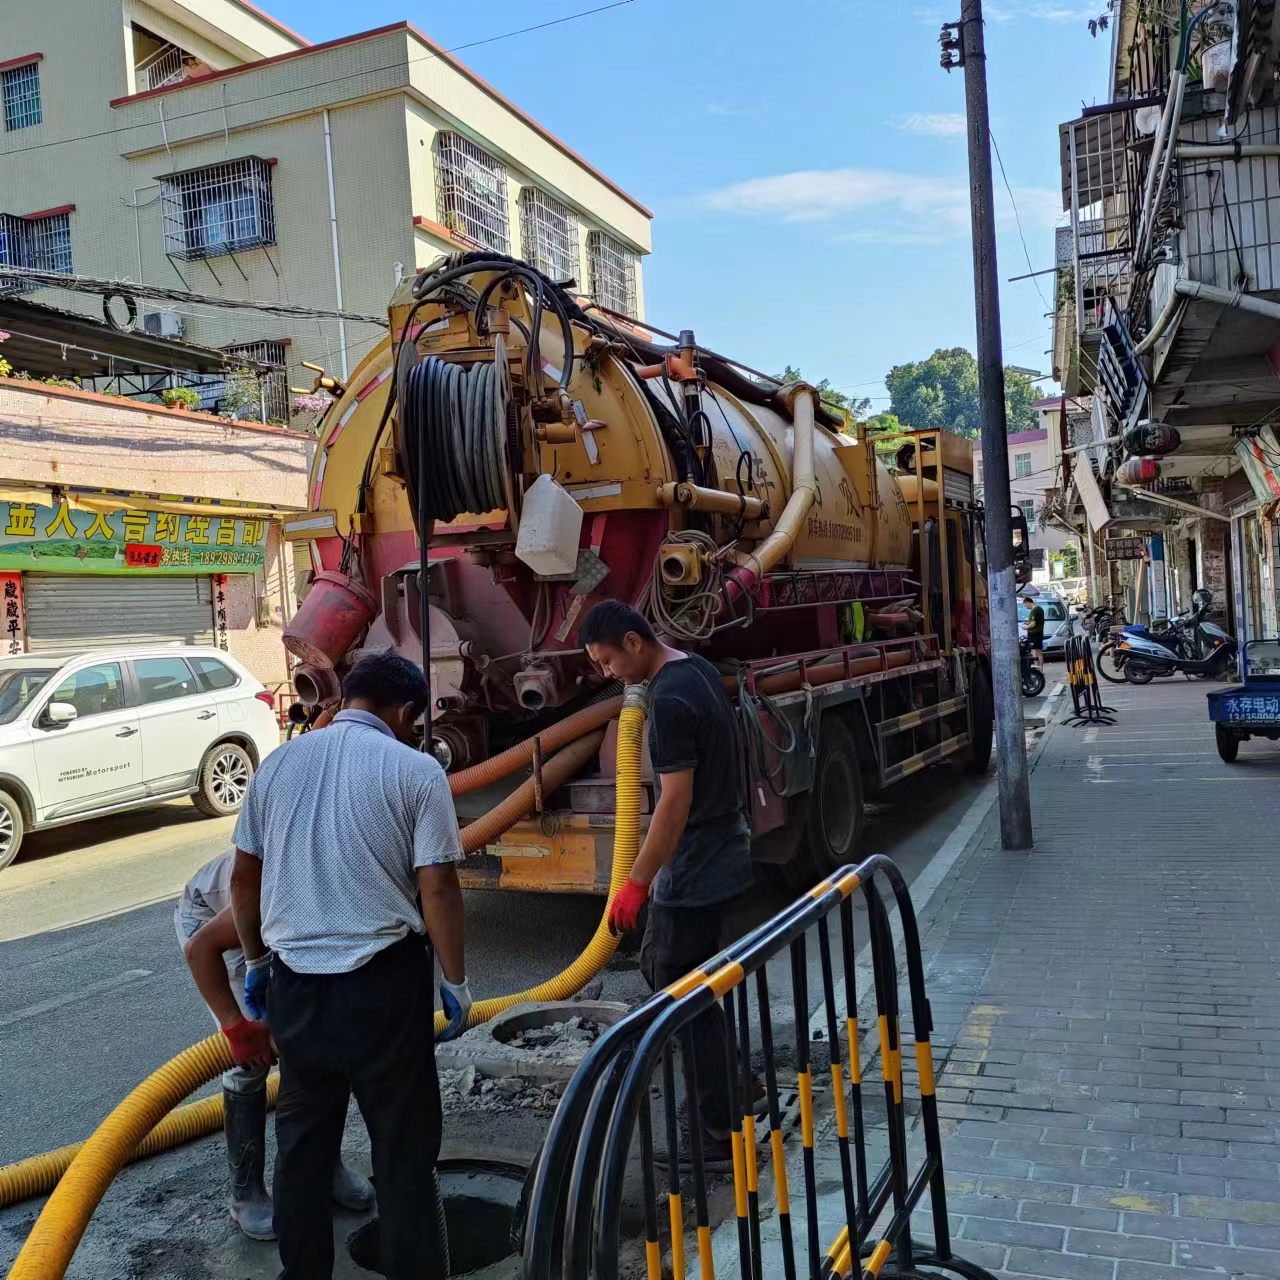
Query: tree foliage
x: 942, y: 391
x: 852, y: 409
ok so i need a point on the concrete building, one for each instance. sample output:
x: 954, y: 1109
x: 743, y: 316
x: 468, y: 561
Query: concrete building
x: 1032, y: 468
x: 199, y: 144
x: 1168, y: 309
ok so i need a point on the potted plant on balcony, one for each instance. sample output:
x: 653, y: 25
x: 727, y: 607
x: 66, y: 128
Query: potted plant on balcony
x: 184, y: 398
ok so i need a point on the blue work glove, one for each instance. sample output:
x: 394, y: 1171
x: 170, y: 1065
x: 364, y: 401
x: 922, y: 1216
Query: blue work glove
x: 455, y: 1000
x: 257, y: 979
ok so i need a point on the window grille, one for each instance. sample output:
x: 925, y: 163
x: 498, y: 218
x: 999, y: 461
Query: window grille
x: 207, y: 212
x: 43, y: 244
x: 275, y: 385
x: 21, y: 89
x: 471, y: 192
x: 548, y: 234
x: 1029, y: 510
x: 612, y: 273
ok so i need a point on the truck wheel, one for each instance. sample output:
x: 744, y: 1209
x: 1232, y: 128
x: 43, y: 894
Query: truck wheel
x: 11, y: 829
x: 982, y: 718
x: 833, y: 815
x: 1228, y: 743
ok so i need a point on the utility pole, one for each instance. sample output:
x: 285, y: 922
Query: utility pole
x: 963, y: 45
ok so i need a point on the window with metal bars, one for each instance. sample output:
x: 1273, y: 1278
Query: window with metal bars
x: 548, y: 234
x: 471, y: 192
x: 226, y: 207
x: 43, y: 244
x: 275, y: 385
x: 612, y: 269
x: 21, y: 91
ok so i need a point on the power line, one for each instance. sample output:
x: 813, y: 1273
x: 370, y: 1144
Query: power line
x: 1017, y: 217
x: 317, y: 84
x: 104, y: 288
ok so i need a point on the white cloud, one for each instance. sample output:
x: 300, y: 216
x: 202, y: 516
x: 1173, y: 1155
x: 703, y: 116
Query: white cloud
x: 730, y: 109
x: 878, y: 203
x: 936, y: 124
x: 816, y: 195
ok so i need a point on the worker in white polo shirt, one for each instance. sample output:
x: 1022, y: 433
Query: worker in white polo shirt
x: 345, y: 866
x: 211, y: 946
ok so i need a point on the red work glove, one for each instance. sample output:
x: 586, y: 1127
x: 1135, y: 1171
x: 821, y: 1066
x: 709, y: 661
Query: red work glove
x: 625, y: 911
x: 250, y: 1042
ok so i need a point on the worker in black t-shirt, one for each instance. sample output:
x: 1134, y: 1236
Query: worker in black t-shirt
x: 695, y: 859
x: 1035, y: 629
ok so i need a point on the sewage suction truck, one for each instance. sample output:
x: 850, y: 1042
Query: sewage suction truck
x: 512, y: 453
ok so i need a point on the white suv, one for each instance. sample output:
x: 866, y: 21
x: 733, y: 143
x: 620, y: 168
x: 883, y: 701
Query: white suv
x: 119, y: 729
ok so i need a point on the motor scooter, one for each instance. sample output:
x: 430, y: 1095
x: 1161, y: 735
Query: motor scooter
x: 1032, y: 676
x: 1143, y: 659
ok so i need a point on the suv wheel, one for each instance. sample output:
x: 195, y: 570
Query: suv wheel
x: 225, y: 774
x: 11, y: 829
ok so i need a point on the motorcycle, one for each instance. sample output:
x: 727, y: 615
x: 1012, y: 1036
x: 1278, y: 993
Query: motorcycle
x: 1191, y: 646
x: 1032, y: 676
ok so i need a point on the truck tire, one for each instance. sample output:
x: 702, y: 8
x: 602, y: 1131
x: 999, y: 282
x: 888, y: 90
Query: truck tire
x: 12, y: 828
x: 982, y: 720
x: 1228, y: 744
x: 833, y: 815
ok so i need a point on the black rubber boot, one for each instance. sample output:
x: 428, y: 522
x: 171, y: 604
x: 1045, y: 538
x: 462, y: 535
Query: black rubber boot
x: 244, y: 1103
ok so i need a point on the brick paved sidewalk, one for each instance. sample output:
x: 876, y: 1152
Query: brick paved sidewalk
x: 1111, y: 1005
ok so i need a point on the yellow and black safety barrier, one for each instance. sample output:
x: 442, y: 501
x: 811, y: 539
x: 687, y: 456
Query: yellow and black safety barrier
x: 1086, y: 693
x: 573, y: 1229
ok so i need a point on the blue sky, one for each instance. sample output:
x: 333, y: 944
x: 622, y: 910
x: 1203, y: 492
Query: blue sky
x: 805, y: 161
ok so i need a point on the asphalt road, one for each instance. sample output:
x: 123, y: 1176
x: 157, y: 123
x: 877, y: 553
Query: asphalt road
x: 96, y: 994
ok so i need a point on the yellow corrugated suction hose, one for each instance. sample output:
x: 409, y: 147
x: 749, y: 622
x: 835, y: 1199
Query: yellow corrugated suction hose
x: 626, y: 844
x: 62, y: 1221
x: 38, y: 1175
x: 138, y: 1126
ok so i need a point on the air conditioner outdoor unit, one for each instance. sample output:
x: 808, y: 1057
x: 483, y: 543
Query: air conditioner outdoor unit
x: 162, y: 324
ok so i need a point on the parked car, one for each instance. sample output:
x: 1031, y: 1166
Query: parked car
x: 116, y: 729
x: 1072, y: 590
x: 1059, y: 622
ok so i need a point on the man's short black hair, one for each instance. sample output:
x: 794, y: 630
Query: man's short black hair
x: 387, y: 680
x: 609, y: 622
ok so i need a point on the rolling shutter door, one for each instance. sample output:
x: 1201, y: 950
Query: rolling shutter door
x: 67, y: 613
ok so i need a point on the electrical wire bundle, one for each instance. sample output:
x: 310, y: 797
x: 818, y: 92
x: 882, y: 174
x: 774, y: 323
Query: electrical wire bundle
x: 453, y: 429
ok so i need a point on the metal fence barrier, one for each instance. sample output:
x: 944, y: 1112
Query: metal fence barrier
x: 576, y: 1208
x: 1086, y: 693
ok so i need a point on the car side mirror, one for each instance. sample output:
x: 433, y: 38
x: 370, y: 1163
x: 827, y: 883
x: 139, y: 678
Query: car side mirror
x: 60, y: 713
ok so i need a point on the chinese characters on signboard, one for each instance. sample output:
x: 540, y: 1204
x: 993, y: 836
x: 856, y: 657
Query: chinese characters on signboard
x: 15, y: 622
x: 220, y: 610
x: 63, y: 539
x: 1126, y: 548
x: 1253, y: 708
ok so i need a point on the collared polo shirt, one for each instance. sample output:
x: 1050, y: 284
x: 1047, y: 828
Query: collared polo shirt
x: 342, y: 818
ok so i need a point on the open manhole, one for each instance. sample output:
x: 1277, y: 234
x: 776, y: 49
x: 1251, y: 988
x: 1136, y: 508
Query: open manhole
x: 481, y: 1198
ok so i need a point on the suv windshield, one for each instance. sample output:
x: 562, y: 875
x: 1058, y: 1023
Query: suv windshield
x: 17, y: 688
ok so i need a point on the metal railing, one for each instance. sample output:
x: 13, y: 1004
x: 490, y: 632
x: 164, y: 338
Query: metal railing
x: 573, y: 1230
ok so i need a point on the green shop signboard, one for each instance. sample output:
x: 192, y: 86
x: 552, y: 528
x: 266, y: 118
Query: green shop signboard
x: 63, y: 539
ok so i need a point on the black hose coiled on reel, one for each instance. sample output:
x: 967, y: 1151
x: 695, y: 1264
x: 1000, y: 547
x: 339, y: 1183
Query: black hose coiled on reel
x: 453, y: 428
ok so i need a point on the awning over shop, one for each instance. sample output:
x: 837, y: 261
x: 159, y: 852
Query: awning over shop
x: 51, y: 342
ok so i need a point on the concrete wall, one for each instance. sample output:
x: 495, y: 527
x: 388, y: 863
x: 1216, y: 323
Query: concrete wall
x: 58, y: 436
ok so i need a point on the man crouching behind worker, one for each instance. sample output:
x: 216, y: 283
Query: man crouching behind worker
x: 341, y: 833
x: 696, y: 855
x: 207, y: 932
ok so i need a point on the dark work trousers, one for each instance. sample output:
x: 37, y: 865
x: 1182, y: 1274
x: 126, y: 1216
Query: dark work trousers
x: 676, y: 941
x: 368, y: 1032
